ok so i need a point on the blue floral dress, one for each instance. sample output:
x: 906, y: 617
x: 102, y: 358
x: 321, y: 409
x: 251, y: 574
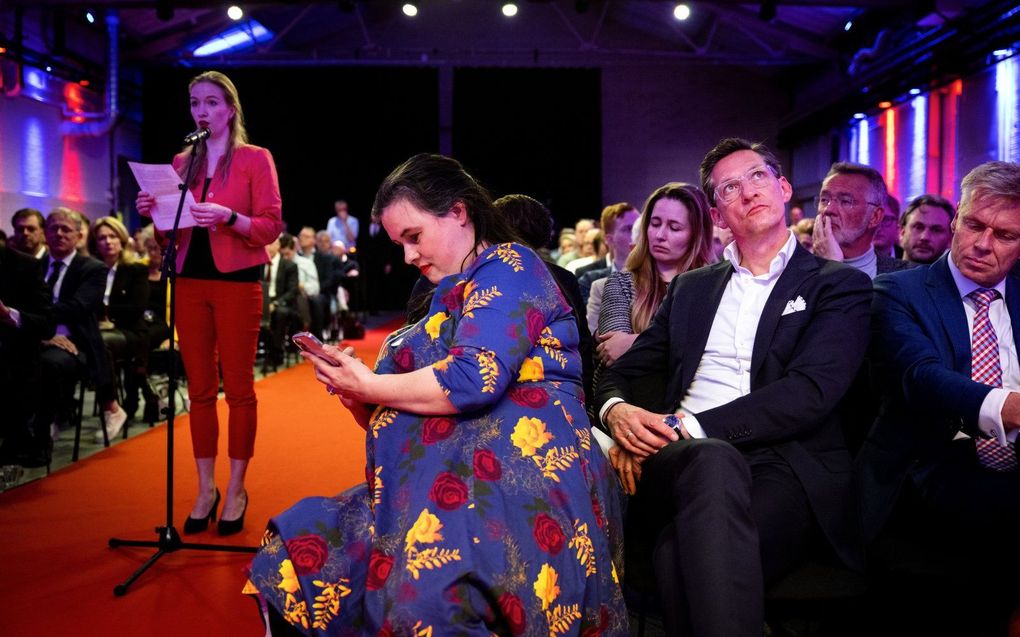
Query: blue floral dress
x: 502, y: 518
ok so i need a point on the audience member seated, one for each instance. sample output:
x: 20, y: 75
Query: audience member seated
x: 78, y: 285
x: 722, y: 237
x: 318, y: 303
x: 279, y: 303
x: 850, y: 208
x: 617, y: 223
x: 945, y: 355
x: 29, y: 237
x: 925, y: 231
x: 501, y: 518
x: 592, y: 250
x: 308, y: 278
x: 349, y: 275
x: 122, y: 319
x: 887, y: 237
x: 804, y: 231
x: 675, y: 235
x: 534, y: 224
x: 84, y: 247
x: 570, y: 248
x: 739, y: 467
x: 26, y: 317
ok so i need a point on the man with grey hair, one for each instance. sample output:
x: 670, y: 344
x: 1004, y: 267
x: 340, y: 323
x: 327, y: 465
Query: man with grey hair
x: 944, y: 349
x: 850, y: 208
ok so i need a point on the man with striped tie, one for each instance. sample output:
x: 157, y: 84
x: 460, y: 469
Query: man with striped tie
x: 945, y: 353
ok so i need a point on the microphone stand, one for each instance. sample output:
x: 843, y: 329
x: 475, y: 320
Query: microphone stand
x: 169, y: 540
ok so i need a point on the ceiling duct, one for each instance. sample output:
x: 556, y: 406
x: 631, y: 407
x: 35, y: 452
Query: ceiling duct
x: 97, y: 124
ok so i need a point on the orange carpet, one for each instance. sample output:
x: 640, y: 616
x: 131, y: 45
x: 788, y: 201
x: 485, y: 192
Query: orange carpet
x: 58, y: 573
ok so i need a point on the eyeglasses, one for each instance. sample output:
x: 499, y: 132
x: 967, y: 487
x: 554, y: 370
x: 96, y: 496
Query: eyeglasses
x: 843, y: 202
x: 757, y: 178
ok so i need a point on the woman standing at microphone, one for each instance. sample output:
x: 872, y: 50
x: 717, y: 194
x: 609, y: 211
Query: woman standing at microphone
x: 219, y: 297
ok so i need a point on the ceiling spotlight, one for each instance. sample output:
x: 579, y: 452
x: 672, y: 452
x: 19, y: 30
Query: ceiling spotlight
x: 49, y: 69
x: 1001, y: 54
x: 410, y: 10
x: 681, y: 11
x: 914, y: 91
x: 509, y: 9
x: 885, y: 104
x: 849, y: 25
x: 91, y: 18
x: 235, y: 13
x: 84, y: 82
x: 859, y: 115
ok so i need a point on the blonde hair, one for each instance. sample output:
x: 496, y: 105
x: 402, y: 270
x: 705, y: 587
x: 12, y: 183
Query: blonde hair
x: 127, y: 254
x: 238, y: 134
x: 649, y: 288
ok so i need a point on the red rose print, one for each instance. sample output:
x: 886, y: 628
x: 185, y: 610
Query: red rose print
x: 452, y: 299
x: 448, y: 491
x: 591, y: 631
x: 536, y: 322
x: 308, y: 553
x: 596, y: 509
x: 379, y: 566
x: 487, y: 466
x: 435, y: 429
x: 548, y: 534
x: 528, y: 395
x: 513, y: 611
x: 404, y: 359
x: 386, y: 630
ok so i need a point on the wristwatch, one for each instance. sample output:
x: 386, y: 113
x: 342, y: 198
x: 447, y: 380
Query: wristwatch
x: 232, y: 219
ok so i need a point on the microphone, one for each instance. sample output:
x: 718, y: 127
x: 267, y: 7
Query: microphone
x: 197, y: 136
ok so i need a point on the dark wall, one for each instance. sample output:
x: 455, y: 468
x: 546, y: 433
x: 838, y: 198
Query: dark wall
x: 533, y: 131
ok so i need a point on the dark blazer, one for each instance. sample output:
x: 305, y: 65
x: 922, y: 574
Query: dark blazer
x: 287, y: 289
x: 921, y: 360
x: 22, y: 288
x: 584, y: 281
x: 801, y: 366
x: 598, y: 264
x: 80, y: 301
x: 129, y: 297
x: 328, y: 267
x: 887, y: 264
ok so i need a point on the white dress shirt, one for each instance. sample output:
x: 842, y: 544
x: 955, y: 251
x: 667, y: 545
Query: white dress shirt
x: 308, y: 276
x: 62, y: 329
x: 724, y: 372
x: 990, y: 415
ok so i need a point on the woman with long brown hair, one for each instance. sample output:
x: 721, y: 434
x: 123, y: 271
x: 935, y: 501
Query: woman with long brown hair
x: 674, y: 236
x: 219, y: 295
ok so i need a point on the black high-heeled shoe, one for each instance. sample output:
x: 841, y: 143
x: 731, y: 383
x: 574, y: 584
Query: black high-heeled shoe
x: 230, y: 527
x: 197, y: 525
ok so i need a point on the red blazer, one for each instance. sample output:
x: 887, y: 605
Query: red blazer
x: 250, y: 188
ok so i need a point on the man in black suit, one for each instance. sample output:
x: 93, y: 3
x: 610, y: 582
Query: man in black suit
x: 279, y: 302
x: 26, y: 317
x: 945, y: 355
x: 78, y: 285
x: 755, y: 472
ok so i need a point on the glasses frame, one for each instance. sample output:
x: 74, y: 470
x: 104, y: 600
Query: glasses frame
x: 839, y: 204
x: 743, y: 179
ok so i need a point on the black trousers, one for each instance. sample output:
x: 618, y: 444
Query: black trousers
x: 725, y: 524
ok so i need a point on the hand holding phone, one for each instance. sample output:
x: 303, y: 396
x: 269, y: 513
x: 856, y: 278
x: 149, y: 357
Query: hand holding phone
x: 307, y: 342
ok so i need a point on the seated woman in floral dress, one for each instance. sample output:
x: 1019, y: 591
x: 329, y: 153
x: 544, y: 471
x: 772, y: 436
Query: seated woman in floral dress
x: 487, y: 508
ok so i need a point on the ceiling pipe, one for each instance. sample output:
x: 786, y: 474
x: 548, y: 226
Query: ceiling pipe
x: 98, y: 124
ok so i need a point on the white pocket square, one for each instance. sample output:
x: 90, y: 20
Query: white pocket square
x: 795, y: 305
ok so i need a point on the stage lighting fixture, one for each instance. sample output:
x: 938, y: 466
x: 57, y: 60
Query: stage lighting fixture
x: 849, y: 25
x: 164, y: 10
x: 885, y: 104
x: 1002, y: 54
x: 681, y: 12
x: 914, y: 91
x: 235, y: 13
x: 509, y: 9
x: 90, y: 17
x: 410, y: 10
x: 767, y: 10
x: 859, y: 115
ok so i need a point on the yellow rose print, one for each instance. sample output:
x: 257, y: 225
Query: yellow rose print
x: 290, y: 582
x: 531, y: 369
x: 425, y: 530
x: 530, y: 435
x: 546, y: 588
x: 432, y: 325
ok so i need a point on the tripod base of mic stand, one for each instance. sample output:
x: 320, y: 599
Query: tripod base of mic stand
x: 169, y: 541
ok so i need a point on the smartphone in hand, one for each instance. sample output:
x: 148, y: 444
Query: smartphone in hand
x: 307, y: 342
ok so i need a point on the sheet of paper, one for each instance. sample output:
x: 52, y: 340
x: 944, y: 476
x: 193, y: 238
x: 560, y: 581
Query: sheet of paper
x: 162, y: 182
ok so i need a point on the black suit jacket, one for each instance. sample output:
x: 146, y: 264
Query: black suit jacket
x: 129, y: 297
x: 802, y: 363
x: 921, y: 360
x: 22, y: 288
x: 328, y: 267
x: 80, y: 301
x: 287, y: 289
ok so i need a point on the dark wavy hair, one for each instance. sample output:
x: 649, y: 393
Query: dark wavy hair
x: 531, y: 219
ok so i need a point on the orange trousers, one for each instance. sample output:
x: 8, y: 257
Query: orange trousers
x: 218, y: 327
